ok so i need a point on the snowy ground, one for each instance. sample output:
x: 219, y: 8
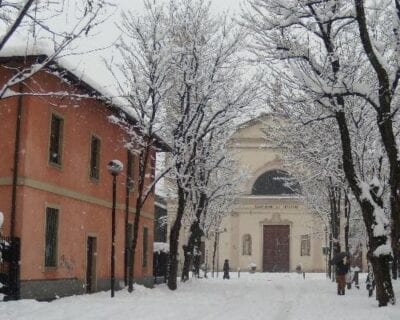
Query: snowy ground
x: 253, y: 296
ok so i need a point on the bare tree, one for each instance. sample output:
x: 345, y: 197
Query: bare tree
x: 216, y: 179
x: 383, y: 97
x: 181, y: 79
x: 208, y: 91
x: 314, y: 40
x: 33, y: 21
x: 142, y: 77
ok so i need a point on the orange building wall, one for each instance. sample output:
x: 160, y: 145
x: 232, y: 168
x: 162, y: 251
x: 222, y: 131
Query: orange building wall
x: 8, y: 115
x: 78, y: 218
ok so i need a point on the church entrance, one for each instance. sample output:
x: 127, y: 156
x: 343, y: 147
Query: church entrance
x: 276, y: 248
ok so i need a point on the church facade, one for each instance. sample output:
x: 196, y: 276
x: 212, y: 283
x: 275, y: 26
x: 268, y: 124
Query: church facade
x: 270, y: 227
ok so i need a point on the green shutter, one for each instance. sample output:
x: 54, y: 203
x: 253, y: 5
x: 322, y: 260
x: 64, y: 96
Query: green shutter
x: 51, y: 237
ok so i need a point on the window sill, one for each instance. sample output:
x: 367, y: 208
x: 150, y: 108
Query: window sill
x: 50, y: 269
x: 55, y: 165
x: 94, y: 180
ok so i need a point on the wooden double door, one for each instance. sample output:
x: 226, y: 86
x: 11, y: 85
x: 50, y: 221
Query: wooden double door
x: 276, y: 243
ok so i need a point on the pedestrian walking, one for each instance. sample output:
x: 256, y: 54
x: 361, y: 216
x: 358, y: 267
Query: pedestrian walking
x: 370, y: 281
x: 342, y: 268
x: 226, y: 269
x: 349, y: 278
x: 356, y: 272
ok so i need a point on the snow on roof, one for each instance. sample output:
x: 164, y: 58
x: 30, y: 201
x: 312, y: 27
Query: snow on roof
x: 45, y: 49
x: 76, y: 71
x: 19, y: 49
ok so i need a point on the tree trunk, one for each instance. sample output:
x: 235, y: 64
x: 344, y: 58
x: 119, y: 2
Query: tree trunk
x: 196, y: 261
x: 330, y: 257
x: 347, y: 211
x: 395, y: 234
x: 214, y: 254
x: 174, y: 240
x: 197, y: 253
x: 189, y: 249
x: 143, y: 160
x: 131, y: 265
x: 385, y: 124
x: 187, y: 254
x: 334, y: 200
x: 380, y: 264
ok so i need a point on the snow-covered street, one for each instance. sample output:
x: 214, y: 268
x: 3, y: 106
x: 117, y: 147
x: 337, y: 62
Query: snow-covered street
x: 253, y: 296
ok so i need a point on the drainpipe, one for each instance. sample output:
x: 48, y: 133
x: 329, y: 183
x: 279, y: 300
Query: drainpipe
x: 127, y: 194
x: 16, y: 162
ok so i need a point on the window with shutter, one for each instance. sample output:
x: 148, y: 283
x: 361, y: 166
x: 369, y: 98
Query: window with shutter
x: 55, y: 147
x: 51, y: 237
x: 145, y: 245
x: 131, y: 171
x: 246, y: 243
x: 95, y: 158
x: 305, y: 245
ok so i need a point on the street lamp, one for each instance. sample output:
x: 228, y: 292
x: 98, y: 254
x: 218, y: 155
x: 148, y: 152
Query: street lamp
x: 114, y: 167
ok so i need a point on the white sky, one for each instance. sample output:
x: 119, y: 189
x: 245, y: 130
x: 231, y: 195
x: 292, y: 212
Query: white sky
x: 219, y: 5
x: 92, y: 64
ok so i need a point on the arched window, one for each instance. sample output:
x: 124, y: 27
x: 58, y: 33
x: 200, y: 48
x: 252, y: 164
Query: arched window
x: 275, y: 182
x: 246, y: 245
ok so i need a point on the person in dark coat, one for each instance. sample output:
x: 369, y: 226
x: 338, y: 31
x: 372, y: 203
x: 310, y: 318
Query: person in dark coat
x: 342, y: 267
x: 226, y: 269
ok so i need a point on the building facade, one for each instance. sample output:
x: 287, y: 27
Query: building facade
x: 270, y: 228
x: 56, y: 192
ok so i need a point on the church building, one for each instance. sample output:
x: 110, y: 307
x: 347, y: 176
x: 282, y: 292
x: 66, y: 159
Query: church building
x: 270, y: 227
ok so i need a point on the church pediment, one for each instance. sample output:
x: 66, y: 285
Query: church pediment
x: 275, y: 219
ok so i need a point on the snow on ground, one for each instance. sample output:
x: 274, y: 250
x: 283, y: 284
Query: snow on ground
x: 252, y: 296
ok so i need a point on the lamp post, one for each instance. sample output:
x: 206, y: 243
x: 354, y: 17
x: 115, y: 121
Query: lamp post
x: 114, y: 167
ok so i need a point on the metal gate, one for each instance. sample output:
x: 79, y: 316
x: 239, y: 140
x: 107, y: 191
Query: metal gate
x: 10, y: 249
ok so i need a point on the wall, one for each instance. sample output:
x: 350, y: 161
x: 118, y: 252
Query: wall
x: 84, y: 203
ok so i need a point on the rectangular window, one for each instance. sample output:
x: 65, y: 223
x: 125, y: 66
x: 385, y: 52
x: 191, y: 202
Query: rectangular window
x: 128, y: 244
x: 130, y: 171
x: 95, y: 158
x: 51, y: 237
x: 145, y: 245
x: 153, y: 170
x: 305, y: 245
x: 56, y: 135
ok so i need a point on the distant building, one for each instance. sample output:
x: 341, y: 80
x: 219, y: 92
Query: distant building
x: 270, y: 226
x: 55, y: 191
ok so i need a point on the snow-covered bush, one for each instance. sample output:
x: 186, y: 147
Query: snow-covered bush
x: 252, y: 267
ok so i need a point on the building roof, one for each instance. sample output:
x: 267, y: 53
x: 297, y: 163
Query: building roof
x: 84, y: 82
